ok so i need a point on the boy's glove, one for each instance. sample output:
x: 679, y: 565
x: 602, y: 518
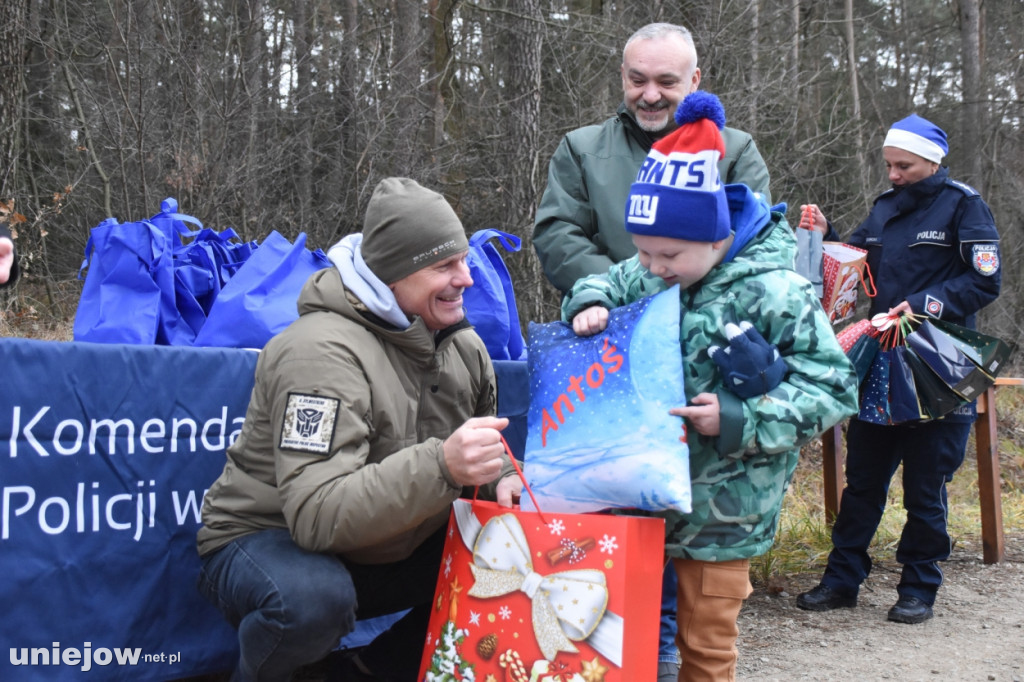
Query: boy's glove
x: 750, y: 367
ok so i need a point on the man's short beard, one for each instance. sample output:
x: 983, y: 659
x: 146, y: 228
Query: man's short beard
x: 660, y: 106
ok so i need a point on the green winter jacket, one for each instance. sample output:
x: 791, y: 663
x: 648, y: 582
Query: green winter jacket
x: 739, y: 477
x: 377, y: 485
x: 579, y: 228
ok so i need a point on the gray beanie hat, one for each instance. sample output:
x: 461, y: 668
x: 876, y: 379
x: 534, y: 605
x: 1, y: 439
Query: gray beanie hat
x: 408, y: 227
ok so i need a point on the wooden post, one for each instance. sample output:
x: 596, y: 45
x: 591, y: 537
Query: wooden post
x: 832, y: 464
x: 986, y: 441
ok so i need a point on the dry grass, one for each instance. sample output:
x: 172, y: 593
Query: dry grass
x: 39, y: 311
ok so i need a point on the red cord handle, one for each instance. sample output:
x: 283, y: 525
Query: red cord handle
x: 522, y: 478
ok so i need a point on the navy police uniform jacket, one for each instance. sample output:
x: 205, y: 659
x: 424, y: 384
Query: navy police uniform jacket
x: 934, y: 244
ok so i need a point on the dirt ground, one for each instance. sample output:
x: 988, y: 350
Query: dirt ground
x: 977, y: 632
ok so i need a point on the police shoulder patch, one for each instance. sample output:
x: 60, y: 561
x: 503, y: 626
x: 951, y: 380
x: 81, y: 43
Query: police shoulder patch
x: 309, y: 422
x: 985, y: 259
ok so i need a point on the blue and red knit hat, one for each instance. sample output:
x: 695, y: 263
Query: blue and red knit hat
x: 678, y: 192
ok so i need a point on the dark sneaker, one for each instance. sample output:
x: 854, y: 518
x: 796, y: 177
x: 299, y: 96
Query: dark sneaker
x: 910, y: 610
x: 668, y: 671
x: 823, y: 598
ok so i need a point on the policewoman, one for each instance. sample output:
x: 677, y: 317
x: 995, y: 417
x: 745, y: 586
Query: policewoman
x: 933, y: 250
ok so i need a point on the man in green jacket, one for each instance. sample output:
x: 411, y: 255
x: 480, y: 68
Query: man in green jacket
x: 578, y: 230
x: 369, y: 416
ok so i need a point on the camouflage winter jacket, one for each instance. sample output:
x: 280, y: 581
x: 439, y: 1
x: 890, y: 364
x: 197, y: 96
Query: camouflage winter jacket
x: 739, y: 477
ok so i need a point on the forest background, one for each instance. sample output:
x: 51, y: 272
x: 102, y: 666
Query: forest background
x: 282, y: 115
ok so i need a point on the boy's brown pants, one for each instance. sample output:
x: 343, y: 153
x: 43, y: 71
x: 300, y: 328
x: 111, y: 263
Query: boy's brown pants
x: 710, y: 597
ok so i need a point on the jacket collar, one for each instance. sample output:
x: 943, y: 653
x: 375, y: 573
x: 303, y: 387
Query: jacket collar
x: 633, y: 129
x: 909, y: 197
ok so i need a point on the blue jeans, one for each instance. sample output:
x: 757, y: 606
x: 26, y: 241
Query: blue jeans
x: 291, y: 606
x: 667, y: 650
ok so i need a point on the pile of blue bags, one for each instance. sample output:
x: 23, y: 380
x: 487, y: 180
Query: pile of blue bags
x: 170, y: 281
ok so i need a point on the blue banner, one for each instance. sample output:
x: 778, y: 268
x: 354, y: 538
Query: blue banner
x: 106, y: 453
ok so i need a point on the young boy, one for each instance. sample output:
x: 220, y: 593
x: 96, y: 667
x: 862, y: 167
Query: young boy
x: 751, y: 406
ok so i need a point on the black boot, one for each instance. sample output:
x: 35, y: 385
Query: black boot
x: 910, y: 610
x: 823, y: 598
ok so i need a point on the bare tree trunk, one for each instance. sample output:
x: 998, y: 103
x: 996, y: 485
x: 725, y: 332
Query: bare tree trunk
x: 444, y: 93
x: 851, y: 59
x: 794, y: 50
x: 973, y: 119
x: 523, y: 134
x: 303, y: 145
x: 346, y: 166
x: 249, y: 18
x: 12, y: 89
x: 754, y: 74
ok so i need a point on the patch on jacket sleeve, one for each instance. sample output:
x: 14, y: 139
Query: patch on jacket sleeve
x: 309, y: 423
x: 985, y: 258
x: 933, y: 306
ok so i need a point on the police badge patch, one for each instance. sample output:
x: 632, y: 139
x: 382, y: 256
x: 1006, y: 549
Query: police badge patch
x: 985, y: 258
x: 932, y: 306
x: 309, y: 423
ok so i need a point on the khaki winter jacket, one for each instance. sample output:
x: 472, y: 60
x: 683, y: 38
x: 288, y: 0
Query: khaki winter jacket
x: 342, y: 440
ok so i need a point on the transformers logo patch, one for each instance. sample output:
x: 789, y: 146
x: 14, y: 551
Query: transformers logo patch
x: 985, y: 258
x: 308, y: 423
x: 932, y: 306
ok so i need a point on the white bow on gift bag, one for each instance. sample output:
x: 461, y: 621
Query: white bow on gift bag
x: 567, y: 606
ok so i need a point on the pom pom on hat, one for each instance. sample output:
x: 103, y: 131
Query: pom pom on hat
x: 698, y: 105
x: 919, y: 136
x: 678, y: 192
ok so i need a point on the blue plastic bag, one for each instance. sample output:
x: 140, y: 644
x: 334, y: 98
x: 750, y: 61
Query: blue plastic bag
x: 131, y: 292
x: 128, y: 296
x: 260, y: 300
x: 202, y: 268
x: 599, y: 434
x: 491, y: 302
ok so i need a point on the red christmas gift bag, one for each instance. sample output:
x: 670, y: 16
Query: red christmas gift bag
x: 529, y: 596
x: 845, y: 267
x: 849, y: 336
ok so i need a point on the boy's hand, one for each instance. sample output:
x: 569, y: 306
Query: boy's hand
x: 703, y: 413
x: 750, y: 366
x: 590, y: 321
